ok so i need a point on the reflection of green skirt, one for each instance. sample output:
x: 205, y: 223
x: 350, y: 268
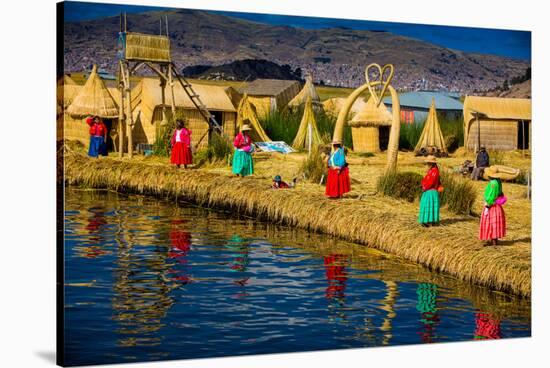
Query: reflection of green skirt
x: 242, y: 163
x: 429, y: 207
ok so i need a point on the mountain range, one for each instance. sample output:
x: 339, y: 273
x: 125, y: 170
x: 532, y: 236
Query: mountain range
x: 334, y: 56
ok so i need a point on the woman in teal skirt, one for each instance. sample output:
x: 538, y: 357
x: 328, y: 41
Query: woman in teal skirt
x: 429, y: 202
x: 242, y: 158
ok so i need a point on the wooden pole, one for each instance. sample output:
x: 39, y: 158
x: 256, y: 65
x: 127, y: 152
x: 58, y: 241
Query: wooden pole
x: 171, y: 83
x: 121, y: 110
x: 478, y: 132
x: 523, y: 138
x: 130, y: 119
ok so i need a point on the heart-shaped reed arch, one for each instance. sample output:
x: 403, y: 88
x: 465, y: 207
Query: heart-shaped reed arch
x: 380, y: 80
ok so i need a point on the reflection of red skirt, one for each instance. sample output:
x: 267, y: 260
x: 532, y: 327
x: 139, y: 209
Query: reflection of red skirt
x: 181, y: 154
x: 337, y: 183
x: 493, y: 223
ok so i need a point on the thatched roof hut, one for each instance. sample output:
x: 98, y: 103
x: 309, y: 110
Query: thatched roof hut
x: 268, y: 95
x: 307, y: 92
x: 149, y: 112
x: 431, y: 134
x: 504, y: 123
x: 332, y: 106
x: 94, y: 99
x: 370, y: 127
x: 308, y: 131
x: 246, y: 111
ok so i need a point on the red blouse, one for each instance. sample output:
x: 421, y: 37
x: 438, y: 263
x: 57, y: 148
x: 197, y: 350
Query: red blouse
x: 185, y: 137
x: 97, y: 130
x: 242, y: 141
x: 431, y: 180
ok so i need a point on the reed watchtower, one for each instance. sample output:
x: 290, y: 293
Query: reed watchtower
x: 136, y: 50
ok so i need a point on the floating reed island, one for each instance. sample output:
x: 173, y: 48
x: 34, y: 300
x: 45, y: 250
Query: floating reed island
x: 363, y: 217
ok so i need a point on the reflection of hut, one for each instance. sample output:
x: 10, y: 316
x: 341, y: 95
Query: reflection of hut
x: 149, y: 113
x: 501, y: 123
x: 308, y: 134
x: 246, y: 111
x: 307, y: 92
x: 431, y: 137
x: 268, y: 95
x: 414, y: 106
x: 371, y: 128
x: 93, y: 98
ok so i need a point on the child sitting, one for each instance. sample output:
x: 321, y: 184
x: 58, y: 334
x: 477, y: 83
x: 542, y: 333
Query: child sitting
x: 278, y: 183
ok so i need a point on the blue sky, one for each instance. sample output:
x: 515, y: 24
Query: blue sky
x: 508, y: 43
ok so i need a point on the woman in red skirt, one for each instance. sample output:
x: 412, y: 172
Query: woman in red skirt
x: 181, y: 146
x: 338, y: 181
x: 493, y: 221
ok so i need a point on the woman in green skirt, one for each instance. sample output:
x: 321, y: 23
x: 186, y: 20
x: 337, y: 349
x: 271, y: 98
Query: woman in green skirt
x: 242, y: 158
x: 429, y: 202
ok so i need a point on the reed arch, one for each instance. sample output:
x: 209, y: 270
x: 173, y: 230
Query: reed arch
x: 384, y: 85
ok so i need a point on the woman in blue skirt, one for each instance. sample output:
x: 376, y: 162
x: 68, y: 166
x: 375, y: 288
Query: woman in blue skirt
x: 98, y: 137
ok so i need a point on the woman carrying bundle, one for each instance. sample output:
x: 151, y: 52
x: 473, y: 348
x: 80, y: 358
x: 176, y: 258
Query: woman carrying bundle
x: 98, y: 137
x: 429, y: 202
x: 492, y: 225
x: 181, y: 145
x: 338, y: 182
x: 242, y: 158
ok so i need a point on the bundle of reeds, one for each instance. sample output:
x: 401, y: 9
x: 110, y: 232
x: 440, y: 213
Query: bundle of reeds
x: 147, y: 47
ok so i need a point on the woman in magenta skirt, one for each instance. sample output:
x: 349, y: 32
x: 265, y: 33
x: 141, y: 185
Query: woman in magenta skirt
x: 181, y: 146
x: 493, y: 221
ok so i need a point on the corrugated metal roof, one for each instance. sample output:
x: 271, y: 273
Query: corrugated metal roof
x: 267, y: 87
x: 423, y: 100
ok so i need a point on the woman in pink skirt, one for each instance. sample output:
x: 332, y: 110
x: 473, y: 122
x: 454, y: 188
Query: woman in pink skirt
x: 181, y: 146
x: 493, y: 221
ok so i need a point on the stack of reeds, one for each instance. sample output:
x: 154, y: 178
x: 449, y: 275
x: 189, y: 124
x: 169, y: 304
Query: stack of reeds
x: 147, y: 47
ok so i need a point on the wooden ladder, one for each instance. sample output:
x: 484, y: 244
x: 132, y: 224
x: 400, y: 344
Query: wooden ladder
x: 195, y: 98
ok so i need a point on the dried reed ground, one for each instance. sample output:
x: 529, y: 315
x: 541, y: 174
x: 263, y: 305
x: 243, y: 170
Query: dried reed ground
x: 363, y: 216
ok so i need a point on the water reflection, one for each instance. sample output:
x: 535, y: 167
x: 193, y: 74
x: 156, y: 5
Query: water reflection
x: 487, y: 327
x: 159, y: 281
x: 427, y: 306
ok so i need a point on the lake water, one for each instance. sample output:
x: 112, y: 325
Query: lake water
x: 148, y: 279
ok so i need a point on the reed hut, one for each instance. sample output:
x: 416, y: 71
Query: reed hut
x: 150, y: 114
x: 308, y: 134
x: 431, y: 137
x: 371, y: 128
x: 307, y: 92
x: 247, y: 111
x: 268, y: 95
x: 91, y: 99
x: 67, y: 90
x: 497, y: 123
x: 332, y: 106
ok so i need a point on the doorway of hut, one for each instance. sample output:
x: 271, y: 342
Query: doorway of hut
x: 109, y: 124
x: 523, y: 135
x: 218, y: 116
x: 384, y: 136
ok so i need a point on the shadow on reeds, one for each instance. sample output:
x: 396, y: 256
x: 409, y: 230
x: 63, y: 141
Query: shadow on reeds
x: 508, y: 242
x: 451, y: 221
